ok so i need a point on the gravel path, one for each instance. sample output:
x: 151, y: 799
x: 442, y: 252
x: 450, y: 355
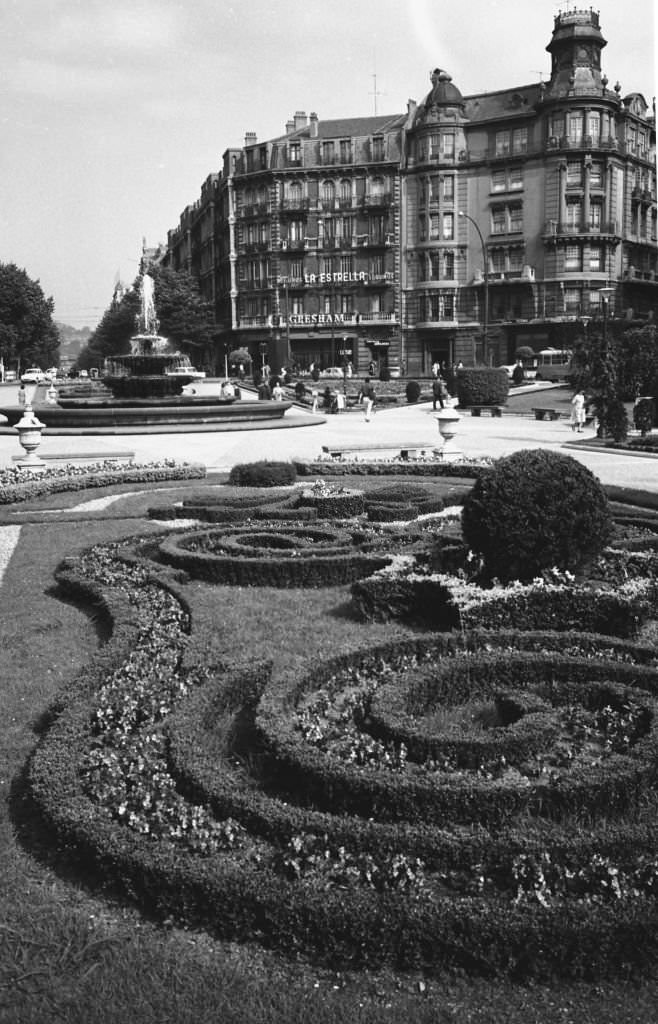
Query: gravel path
x: 8, y: 540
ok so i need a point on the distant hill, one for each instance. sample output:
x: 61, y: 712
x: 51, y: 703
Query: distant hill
x: 72, y: 340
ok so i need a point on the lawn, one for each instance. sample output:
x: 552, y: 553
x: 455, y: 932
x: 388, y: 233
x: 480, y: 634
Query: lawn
x: 69, y: 949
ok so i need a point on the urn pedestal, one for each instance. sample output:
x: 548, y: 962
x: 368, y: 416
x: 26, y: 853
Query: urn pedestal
x: 447, y: 421
x: 29, y: 436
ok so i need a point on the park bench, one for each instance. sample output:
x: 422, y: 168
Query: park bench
x: 109, y: 456
x: 493, y: 410
x: 550, y: 414
x: 407, y: 450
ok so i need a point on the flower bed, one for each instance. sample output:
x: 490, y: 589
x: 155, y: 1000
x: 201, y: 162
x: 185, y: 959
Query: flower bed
x: 16, y: 486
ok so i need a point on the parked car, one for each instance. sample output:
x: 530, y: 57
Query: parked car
x: 33, y: 375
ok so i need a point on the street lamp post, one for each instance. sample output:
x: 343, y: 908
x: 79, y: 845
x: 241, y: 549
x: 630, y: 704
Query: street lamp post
x: 485, y: 269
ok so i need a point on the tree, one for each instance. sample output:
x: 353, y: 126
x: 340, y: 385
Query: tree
x: 112, y: 336
x: 28, y: 334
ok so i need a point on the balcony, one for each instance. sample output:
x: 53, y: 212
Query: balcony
x: 377, y: 199
x: 250, y: 322
x: 254, y: 210
x: 293, y: 244
x: 378, y: 318
x: 553, y: 229
x: 294, y: 205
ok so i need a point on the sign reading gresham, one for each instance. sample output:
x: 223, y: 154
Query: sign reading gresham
x: 302, y: 319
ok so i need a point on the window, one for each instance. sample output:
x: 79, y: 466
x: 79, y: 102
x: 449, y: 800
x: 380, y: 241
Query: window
x: 557, y: 128
x: 448, y: 145
x: 375, y: 303
x: 435, y: 141
x: 516, y: 177
x: 596, y: 175
x: 498, y: 261
x: 516, y: 258
x: 435, y: 226
x: 572, y: 300
x: 263, y: 156
x: 345, y: 193
x: 520, y: 140
x: 326, y: 265
x: 327, y: 152
x: 575, y: 127
x: 448, y: 265
x: 378, y: 148
x: 572, y: 258
x: 377, y: 232
x: 435, y: 185
x: 573, y: 215
x: 498, y: 220
x: 449, y: 188
x: 345, y: 304
x: 327, y: 192
x: 296, y: 230
x: 376, y: 266
x: 574, y: 172
x: 296, y: 270
x: 345, y: 228
x: 377, y: 187
x: 345, y: 151
x: 295, y: 192
x: 595, y: 258
x: 502, y: 143
x: 435, y: 265
x: 594, y: 126
x: 422, y: 229
x: 499, y: 181
x: 297, y: 306
x: 347, y: 264
x: 595, y: 212
x: 516, y: 218
x: 448, y: 225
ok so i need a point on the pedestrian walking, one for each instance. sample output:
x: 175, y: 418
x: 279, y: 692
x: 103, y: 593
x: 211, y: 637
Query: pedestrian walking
x: 438, y: 387
x: 578, y: 411
x: 367, y: 397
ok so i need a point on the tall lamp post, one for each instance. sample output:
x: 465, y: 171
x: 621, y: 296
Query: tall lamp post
x: 485, y: 269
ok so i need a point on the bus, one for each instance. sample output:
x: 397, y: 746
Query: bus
x: 553, y: 364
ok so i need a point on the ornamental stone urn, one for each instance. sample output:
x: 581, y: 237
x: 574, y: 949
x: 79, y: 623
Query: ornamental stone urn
x: 29, y: 436
x: 447, y: 420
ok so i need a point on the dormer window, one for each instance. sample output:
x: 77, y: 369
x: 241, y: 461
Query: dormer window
x: 378, y: 148
x: 294, y: 152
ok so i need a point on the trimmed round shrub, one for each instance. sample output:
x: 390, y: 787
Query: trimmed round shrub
x: 262, y: 474
x: 412, y: 391
x: 482, y: 385
x: 536, y: 510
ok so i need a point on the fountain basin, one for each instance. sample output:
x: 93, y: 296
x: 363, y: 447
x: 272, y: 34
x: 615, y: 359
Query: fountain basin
x: 113, y: 417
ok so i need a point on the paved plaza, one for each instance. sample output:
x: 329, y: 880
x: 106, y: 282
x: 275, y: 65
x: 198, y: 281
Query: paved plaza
x: 302, y: 435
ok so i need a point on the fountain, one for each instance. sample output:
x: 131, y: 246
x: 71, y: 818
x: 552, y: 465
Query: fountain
x: 144, y: 390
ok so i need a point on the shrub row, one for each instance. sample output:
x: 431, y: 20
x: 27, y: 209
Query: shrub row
x: 326, y: 565
x: 241, y: 898
x: 443, y: 602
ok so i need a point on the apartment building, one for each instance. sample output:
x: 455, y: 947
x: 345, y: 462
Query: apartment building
x: 456, y: 230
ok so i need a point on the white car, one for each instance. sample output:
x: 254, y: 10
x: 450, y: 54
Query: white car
x: 186, y: 371
x: 33, y: 375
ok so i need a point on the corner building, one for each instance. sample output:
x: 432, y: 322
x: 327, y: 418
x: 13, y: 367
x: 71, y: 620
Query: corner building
x: 458, y: 230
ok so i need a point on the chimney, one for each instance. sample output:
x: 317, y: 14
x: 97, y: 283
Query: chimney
x: 314, y: 125
x: 250, y: 138
x: 300, y: 119
x: 290, y: 127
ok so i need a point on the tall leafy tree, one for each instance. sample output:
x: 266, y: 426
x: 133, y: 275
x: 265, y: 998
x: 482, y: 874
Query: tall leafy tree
x: 28, y: 334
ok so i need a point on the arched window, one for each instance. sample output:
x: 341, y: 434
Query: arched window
x: 328, y: 192
x: 345, y: 190
x: 295, y: 191
x: 377, y: 187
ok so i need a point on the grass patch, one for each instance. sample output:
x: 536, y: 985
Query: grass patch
x: 70, y: 952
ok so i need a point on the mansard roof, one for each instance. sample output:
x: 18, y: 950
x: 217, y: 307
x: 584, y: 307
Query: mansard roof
x: 505, y: 103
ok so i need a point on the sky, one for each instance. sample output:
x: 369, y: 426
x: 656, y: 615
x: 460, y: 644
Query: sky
x: 113, y: 114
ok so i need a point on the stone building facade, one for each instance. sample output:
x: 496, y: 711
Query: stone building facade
x: 458, y: 230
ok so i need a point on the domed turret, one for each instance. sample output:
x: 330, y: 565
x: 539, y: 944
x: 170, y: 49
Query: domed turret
x: 575, y: 50
x: 444, y: 95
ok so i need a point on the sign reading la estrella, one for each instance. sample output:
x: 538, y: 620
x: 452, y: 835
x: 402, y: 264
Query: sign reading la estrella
x: 336, y: 278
